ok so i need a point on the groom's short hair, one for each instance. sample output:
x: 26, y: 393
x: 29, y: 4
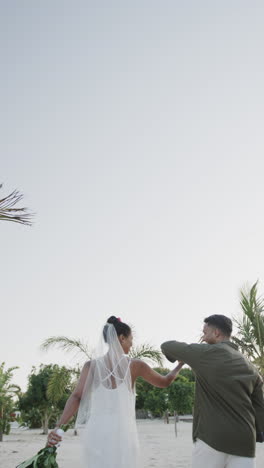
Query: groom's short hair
x: 221, y: 322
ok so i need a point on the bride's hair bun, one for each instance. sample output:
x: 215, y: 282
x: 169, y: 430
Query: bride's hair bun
x: 113, y: 320
x: 121, y: 328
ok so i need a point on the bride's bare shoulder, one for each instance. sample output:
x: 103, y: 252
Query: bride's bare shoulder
x: 135, y: 362
x: 85, y: 369
x: 136, y: 365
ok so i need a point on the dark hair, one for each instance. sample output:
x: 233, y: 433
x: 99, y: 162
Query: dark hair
x: 223, y: 323
x: 121, y: 328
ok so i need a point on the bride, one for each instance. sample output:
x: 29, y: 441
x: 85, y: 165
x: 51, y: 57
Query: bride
x: 105, y: 400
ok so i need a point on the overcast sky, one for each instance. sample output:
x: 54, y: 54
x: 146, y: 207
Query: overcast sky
x: 135, y: 131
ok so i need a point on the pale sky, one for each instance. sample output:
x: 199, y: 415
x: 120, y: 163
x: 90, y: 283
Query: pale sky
x: 135, y: 131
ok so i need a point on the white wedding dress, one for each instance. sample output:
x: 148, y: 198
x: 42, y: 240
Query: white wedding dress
x: 109, y: 438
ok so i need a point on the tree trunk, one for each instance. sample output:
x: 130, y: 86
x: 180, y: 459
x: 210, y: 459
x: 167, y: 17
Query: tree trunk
x: 166, y: 417
x: 45, y: 424
x: 2, y: 427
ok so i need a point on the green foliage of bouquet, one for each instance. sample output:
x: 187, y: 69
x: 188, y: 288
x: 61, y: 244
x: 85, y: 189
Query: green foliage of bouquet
x: 45, y: 458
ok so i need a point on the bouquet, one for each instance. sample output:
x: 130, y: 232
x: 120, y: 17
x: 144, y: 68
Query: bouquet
x: 46, y: 457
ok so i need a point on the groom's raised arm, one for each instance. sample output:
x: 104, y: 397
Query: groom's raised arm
x: 188, y: 353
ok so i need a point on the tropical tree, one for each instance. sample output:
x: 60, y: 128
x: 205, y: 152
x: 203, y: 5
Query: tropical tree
x: 144, y: 351
x: 8, y: 211
x: 147, y: 352
x: 188, y: 374
x: 46, y: 395
x: 156, y: 401
x: 179, y: 396
x: 7, y: 393
x: 250, y: 335
x: 61, y: 378
x: 67, y: 344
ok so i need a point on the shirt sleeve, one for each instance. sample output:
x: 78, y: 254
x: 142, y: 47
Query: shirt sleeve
x: 188, y: 353
x: 257, y: 399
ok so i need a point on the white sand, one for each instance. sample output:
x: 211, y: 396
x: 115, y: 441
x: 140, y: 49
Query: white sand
x: 159, y: 446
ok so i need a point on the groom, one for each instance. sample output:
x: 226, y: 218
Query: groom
x: 229, y: 403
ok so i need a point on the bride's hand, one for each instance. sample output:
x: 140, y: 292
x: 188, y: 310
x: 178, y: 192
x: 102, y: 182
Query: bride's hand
x: 53, y: 439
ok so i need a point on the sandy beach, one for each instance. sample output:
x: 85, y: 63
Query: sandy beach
x: 159, y: 446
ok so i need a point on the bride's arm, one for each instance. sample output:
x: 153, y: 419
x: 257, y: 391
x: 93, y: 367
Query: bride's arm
x: 141, y: 369
x: 71, y: 406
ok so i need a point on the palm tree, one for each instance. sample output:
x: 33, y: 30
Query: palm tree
x: 147, y: 352
x: 7, y: 392
x: 47, y: 390
x: 58, y: 381
x: 67, y: 344
x: 250, y: 336
x: 61, y: 379
x: 16, y: 215
x: 144, y: 351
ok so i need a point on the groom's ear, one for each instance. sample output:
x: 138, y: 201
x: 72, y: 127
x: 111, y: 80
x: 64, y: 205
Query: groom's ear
x: 165, y: 348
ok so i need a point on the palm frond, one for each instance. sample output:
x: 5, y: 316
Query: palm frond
x: 250, y: 336
x: 13, y: 388
x: 8, y: 212
x: 147, y: 352
x: 7, y: 389
x: 66, y: 344
x: 6, y: 375
x: 57, y: 384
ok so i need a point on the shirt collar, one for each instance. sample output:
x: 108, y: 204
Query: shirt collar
x: 230, y: 343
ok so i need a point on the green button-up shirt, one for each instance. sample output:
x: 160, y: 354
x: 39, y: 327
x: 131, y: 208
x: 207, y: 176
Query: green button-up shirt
x: 229, y: 403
